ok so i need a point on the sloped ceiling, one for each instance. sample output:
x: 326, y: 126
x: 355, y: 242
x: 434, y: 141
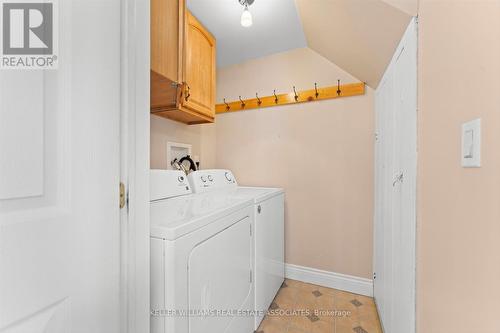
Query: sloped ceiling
x: 360, y: 36
x: 410, y: 7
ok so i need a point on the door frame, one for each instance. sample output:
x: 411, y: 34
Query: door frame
x: 134, y: 165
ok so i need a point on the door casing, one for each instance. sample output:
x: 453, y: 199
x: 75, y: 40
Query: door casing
x: 135, y: 165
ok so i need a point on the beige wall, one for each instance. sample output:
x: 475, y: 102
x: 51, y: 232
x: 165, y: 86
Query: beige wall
x: 321, y: 153
x: 458, y: 281
x: 201, y: 137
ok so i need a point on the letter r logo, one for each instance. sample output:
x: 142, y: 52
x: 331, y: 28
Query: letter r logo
x: 27, y: 28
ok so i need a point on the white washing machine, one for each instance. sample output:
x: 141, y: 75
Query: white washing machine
x: 202, y: 259
x: 269, y: 230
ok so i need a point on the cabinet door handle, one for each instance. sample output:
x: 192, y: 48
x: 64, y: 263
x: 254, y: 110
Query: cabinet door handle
x: 188, y: 94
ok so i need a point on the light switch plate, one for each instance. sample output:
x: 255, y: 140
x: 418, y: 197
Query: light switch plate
x: 471, y: 144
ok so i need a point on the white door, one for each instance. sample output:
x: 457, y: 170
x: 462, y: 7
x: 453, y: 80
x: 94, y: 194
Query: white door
x: 383, y: 193
x: 395, y: 195
x: 59, y: 176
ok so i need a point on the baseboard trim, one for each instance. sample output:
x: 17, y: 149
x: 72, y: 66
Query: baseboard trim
x: 327, y: 279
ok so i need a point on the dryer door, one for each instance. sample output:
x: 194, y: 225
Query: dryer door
x: 220, y: 271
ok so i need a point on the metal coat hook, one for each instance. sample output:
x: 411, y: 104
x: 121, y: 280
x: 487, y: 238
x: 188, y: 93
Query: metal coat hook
x: 259, y: 102
x: 316, y: 89
x: 242, y: 103
x: 227, y: 105
x: 188, y: 92
x: 296, y: 96
x: 338, y: 88
x: 275, y: 97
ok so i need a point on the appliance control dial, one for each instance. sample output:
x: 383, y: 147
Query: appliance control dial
x: 210, y: 178
x: 228, y: 177
x: 203, y: 179
x: 180, y: 179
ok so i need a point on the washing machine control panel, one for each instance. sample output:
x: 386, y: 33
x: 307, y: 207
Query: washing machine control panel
x: 209, y: 180
x: 166, y: 184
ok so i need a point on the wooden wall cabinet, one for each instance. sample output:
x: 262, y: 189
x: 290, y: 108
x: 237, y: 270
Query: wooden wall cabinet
x: 183, y: 64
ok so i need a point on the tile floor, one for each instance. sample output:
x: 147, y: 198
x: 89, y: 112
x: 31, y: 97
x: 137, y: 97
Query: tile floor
x: 306, y: 308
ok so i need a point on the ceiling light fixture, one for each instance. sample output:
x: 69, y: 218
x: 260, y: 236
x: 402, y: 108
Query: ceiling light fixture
x: 246, y: 16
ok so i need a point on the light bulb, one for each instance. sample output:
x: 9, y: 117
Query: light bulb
x: 246, y: 18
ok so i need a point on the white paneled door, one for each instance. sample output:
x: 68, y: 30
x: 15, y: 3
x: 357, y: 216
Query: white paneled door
x: 395, y: 188
x: 59, y: 179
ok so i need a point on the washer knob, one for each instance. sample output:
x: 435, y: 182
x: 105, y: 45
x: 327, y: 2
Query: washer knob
x: 228, y: 176
x: 180, y: 179
x: 203, y: 179
x: 210, y: 178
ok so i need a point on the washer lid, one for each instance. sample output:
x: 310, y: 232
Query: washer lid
x: 219, y: 180
x: 258, y: 194
x: 178, y: 216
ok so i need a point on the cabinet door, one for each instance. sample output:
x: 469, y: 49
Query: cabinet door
x: 199, y: 68
x: 167, y: 18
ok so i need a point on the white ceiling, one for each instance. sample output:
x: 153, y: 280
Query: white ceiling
x: 276, y: 28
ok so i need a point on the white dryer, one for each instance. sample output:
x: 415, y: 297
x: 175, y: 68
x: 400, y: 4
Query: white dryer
x: 201, y: 259
x: 269, y: 230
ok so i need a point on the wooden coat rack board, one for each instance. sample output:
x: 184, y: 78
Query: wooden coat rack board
x: 316, y: 94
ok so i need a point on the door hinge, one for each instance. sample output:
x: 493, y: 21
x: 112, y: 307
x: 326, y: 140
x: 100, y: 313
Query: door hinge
x: 251, y: 276
x: 374, y: 275
x: 123, y: 199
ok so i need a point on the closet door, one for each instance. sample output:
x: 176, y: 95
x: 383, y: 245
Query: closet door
x: 404, y: 189
x: 385, y: 172
x: 395, y: 195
